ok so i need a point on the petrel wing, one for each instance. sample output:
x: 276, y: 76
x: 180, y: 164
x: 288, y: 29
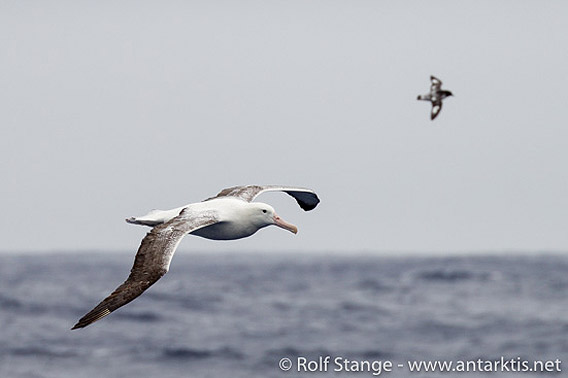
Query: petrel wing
x: 436, y: 107
x: 436, y: 83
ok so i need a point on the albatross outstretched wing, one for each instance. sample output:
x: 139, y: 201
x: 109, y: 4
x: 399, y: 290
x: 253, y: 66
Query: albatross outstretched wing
x: 152, y: 261
x: 306, y: 198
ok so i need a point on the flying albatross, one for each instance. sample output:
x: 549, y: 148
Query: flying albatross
x: 436, y: 95
x: 229, y: 215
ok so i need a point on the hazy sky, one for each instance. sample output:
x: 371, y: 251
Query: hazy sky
x: 110, y: 109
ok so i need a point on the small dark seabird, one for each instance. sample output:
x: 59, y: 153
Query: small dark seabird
x: 229, y: 215
x: 436, y: 95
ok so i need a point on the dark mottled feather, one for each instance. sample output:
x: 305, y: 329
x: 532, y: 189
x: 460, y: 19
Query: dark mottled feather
x: 436, y: 83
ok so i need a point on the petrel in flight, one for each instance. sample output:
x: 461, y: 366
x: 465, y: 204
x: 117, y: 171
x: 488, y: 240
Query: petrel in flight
x: 436, y: 95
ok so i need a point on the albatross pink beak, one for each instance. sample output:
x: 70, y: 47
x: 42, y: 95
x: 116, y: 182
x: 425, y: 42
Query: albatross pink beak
x: 285, y: 225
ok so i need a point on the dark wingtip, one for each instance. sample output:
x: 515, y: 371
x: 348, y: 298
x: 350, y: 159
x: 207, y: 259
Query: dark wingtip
x: 307, y: 200
x: 306, y: 207
x: 93, y: 316
x: 309, y: 206
x: 80, y: 324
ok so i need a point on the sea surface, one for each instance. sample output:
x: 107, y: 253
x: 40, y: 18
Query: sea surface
x: 237, y: 315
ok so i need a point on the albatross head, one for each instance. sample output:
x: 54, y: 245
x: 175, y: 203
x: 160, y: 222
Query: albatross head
x: 263, y: 215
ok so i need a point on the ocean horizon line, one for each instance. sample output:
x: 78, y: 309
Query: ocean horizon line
x: 299, y: 252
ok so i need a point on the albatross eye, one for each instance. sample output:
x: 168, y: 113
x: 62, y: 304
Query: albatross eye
x: 264, y: 211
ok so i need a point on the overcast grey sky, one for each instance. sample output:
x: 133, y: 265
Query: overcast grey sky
x: 109, y: 109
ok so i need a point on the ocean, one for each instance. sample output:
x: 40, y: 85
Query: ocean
x: 239, y: 315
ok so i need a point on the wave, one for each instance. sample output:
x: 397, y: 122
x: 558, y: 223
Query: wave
x: 42, y: 352
x: 23, y: 306
x: 10, y: 303
x: 374, y: 285
x: 373, y: 354
x: 452, y: 275
x: 198, y: 354
x: 143, y: 317
x: 273, y: 355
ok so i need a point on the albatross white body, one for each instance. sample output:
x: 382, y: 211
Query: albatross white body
x: 236, y: 218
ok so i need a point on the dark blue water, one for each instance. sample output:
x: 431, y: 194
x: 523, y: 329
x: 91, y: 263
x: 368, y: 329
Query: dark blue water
x: 238, y: 315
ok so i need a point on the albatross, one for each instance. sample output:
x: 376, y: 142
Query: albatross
x: 229, y: 215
